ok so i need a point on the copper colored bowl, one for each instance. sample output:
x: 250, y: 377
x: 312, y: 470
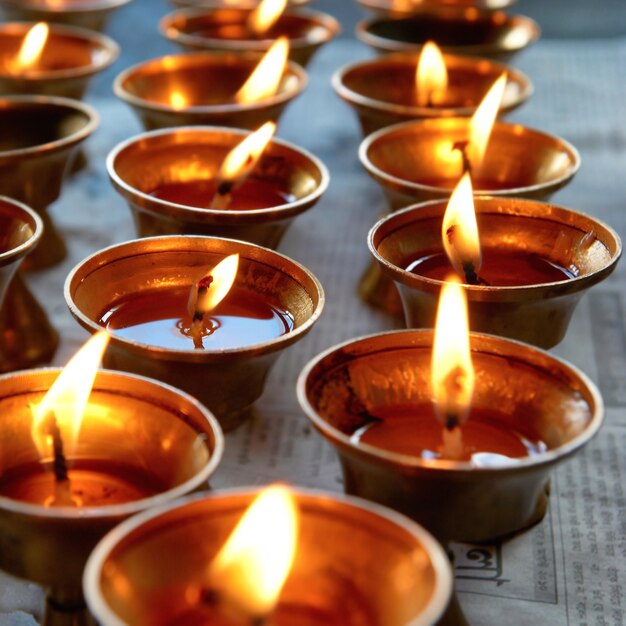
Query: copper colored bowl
x: 491, y: 34
x: 91, y: 14
x: 137, y: 423
x: 224, y: 30
x: 412, y: 161
x: 141, y: 164
x: 356, y: 563
x: 207, y: 81
x: 26, y: 336
x: 343, y: 388
x: 228, y: 381
x: 70, y: 59
x: 40, y: 136
x: 537, y: 314
x: 382, y: 90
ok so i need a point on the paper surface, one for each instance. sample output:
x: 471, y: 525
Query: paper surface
x: 568, y: 570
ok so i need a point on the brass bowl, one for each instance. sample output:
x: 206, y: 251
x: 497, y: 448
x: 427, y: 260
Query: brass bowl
x: 228, y: 381
x: 382, y: 90
x: 91, y: 14
x: 491, y: 34
x: 40, y: 135
x: 411, y: 163
x: 70, y: 59
x: 407, y: 8
x: 355, y: 561
x: 454, y: 500
x: 26, y: 336
x: 207, y: 81
x: 537, y: 314
x: 50, y: 545
x: 202, y: 28
x: 140, y: 164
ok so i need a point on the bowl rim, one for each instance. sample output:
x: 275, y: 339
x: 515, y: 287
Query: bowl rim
x: 439, y: 561
x: 194, y: 244
x: 394, y: 182
x: 158, y: 206
x: 420, y: 338
x: 281, y: 97
x: 16, y: 253
x: 493, y: 205
x: 128, y: 508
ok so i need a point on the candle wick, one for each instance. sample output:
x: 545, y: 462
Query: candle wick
x: 471, y: 277
x: 453, y: 447
x: 198, y: 327
x: 462, y: 146
x: 59, y: 465
x: 223, y: 195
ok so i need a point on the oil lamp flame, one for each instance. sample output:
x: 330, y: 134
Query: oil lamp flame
x: 32, y: 47
x: 67, y: 398
x: 265, y: 79
x: 265, y: 16
x: 452, y: 373
x: 178, y: 100
x: 459, y: 229
x: 481, y: 124
x: 242, y: 159
x: 431, y: 77
x: 213, y: 287
x: 251, y: 568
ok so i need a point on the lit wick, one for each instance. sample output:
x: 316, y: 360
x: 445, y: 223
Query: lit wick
x: 264, y: 16
x: 474, y: 148
x: 452, y: 373
x: 459, y: 233
x: 431, y: 79
x: 205, y: 294
x: 239, y: 164
x: 245, y: 579
x: 31, y: 49
x: 60, y: 414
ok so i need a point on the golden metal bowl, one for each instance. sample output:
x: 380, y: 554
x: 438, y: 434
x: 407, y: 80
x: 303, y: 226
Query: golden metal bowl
x: 411, y: 162
x: 407, y: 8
x: 454, y: 500
x: 140, y: 164
x: 537, y: 314
x: 491, y: 34
x: 26, y: 336
x: 91, y: 14
x: 228, y: 381
x: 382, y: 90
x: 70, y: 59
x: 40, y: 135
x: 50, y: 545
x: 203, y: 29
x: 357, y: 562
x: 207, y: 82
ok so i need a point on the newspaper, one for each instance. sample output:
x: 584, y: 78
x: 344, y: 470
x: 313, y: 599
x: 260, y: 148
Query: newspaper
x: 567, y: 570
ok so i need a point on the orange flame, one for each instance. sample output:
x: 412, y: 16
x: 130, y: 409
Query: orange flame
x: 481, y: 124
x: 223, y: 276
x: 252, y: 566
x: 459, y: 229
x: 242, y: 159
x: 452, y: 372
x: 265, y: 79
x: 32, y: 47
x: 265, y: 16
x: 178, y: 100
x: 431, y: 78
x: 67, y: 398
